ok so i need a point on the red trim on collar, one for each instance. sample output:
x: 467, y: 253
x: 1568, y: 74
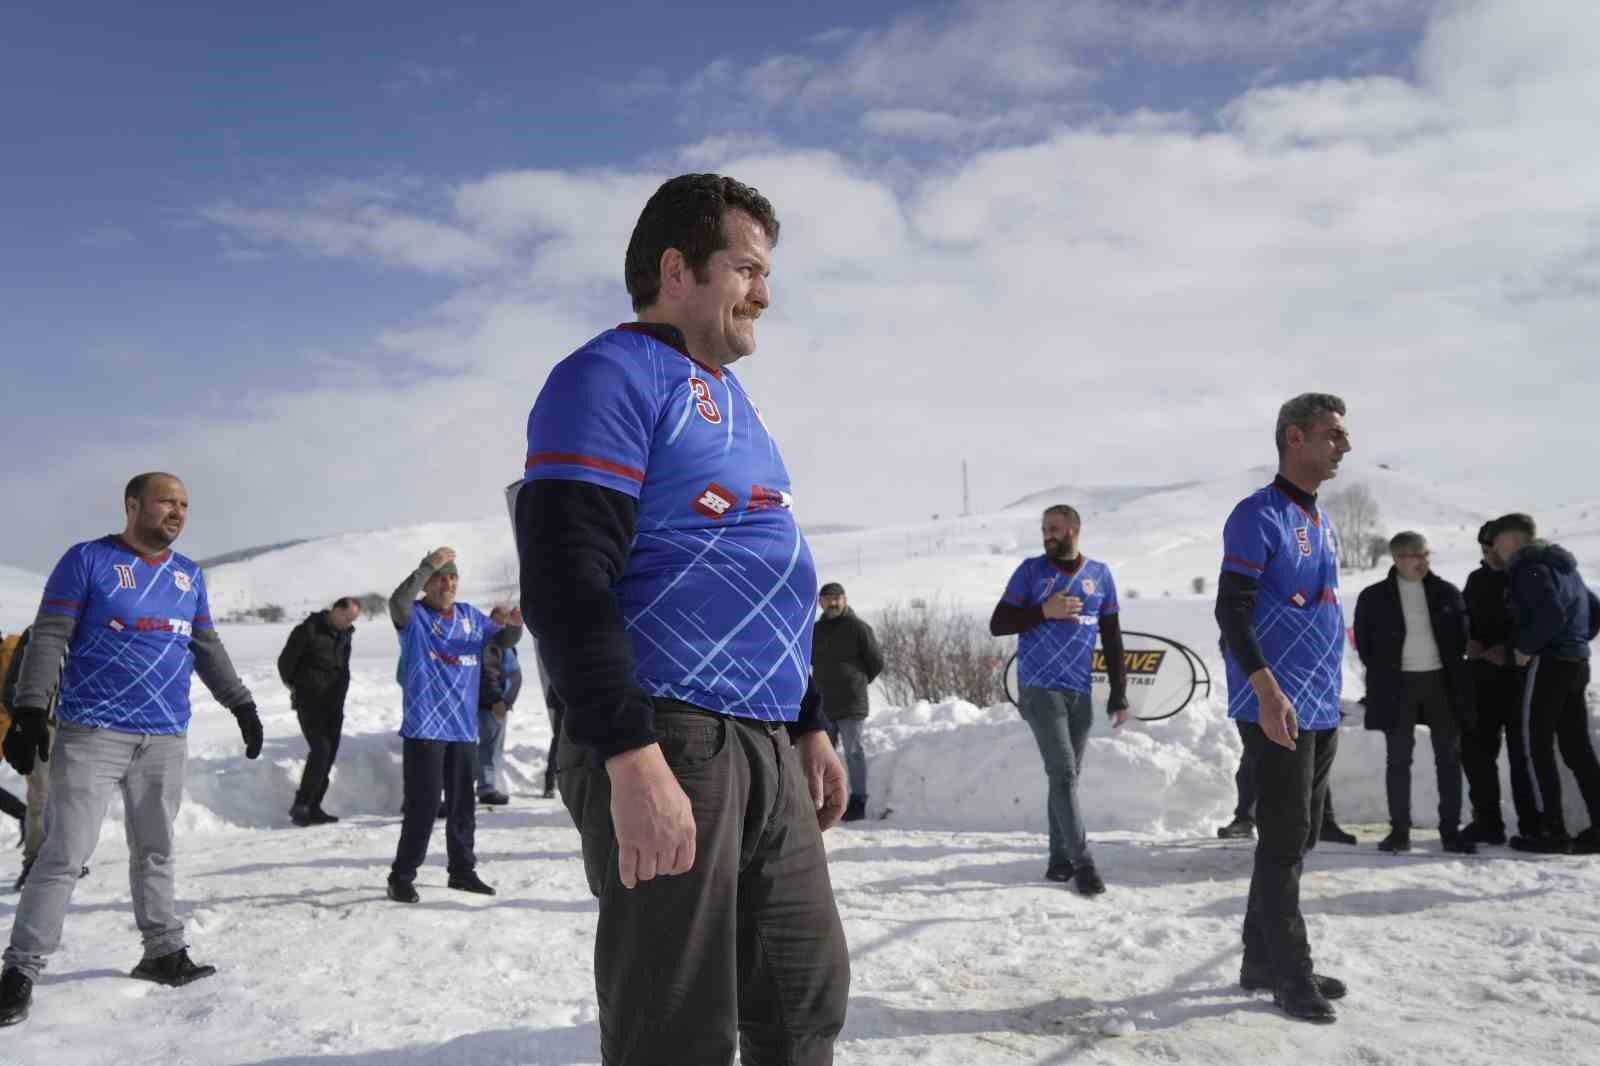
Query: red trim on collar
x: 1316, y: 519
x: 153, y: 560
x: 1071, y: 571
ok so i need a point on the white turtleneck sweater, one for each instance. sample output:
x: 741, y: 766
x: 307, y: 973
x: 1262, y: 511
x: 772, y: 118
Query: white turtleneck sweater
x: 1420, y: 652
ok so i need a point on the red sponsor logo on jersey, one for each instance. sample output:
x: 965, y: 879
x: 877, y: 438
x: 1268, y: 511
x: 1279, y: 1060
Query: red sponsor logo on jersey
x: 703, y: 402
x: 715, y: 501
x: 1302, y: 536
x: 763, y: 498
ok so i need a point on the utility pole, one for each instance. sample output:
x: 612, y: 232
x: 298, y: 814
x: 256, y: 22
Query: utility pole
x: 966, y: 491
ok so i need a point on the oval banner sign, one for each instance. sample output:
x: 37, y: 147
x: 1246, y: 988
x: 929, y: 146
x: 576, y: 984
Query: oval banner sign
x: 1163, y: 676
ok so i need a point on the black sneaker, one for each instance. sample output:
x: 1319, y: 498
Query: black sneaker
x: 1058, y: 871
x: 16, y: 993
x: 172, y: 969
x: 300, y: 815
x: 1457, y: 843
x: 1587, y: 842
x: 1478, y: 833
x: 1238, y: 829
x: 493, y: 798
x: 1332, y: 833
x: 1543, y: 844
x: 1087, y: 881
x: 470, y: 882
x: 1261, y: 981
x: 322, y: 817
x: 1397, y: 841
x: 403, y: 891
x: 1301, y: 999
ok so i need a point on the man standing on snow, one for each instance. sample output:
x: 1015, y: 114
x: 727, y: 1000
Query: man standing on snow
x: 132, y: 617
x: 1060, y: 602
x: 672, y: 592
x: 315, y: 667
x: 1411, y: 634
x: 845, y: 659
x: 1283, y: 645
x: 441, y: 645
x: 498, y: 689
x: 1556, y: 618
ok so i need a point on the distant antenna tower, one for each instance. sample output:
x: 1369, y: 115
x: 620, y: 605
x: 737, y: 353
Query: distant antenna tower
x: 966, y: 491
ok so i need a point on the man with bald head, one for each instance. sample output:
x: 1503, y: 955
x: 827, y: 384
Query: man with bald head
x: 132, y: 618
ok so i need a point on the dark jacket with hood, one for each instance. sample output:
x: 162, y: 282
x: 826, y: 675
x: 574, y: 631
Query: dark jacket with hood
x: 315, y: 664
x: 499, y: 677
x: 844, y: 661
x: 1380, y: 631
x: 1556, y: 613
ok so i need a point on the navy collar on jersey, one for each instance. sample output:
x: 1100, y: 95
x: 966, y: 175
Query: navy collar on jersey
x: 1071, y: 566
x: 671, y: 336
x: 1307, y: 500
x: 116, y: 540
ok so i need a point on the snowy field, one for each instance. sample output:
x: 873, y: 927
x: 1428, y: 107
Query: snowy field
x: 962, y: 954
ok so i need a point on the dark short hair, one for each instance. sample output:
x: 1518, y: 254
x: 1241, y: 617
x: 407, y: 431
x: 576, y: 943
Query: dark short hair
x: 1515, y: 522
x: 1065, y: 511
x: 687, y: 213
x: 1486, y: 533
x: 140, y: 483
x: 1302, y: 411
x: 346, y: 601
x: 1407, y: 541
x: 832, y: 588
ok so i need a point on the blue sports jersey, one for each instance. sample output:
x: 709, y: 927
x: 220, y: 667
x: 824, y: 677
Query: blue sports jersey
x: 440, y: 663
x: 128, y: 663
x: 1060, y: 653
x: 719, y: 588
x: 1293, y: 554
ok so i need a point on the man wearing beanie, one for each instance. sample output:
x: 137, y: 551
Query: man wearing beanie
x: 844, y: 660
x: 441, y: 647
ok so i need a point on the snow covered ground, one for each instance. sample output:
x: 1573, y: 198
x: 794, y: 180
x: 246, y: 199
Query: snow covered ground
x: 962, y: 954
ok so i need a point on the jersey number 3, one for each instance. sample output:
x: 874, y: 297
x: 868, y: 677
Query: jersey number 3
x: 703, y: 401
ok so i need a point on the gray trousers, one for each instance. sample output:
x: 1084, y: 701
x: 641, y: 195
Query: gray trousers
x: 855, y: 753
x: 38, y: 794
x: 86, y: 765
x: 1061, y: 721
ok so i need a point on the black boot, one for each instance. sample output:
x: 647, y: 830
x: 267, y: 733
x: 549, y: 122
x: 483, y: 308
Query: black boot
x: 1456, y: 843
x: 1543, y: 844
x: 300, y: 815
x: 1256, y: 980
x: 402, y: 891
x: 1587, y: 842
x: 16, y: 993
x: 172, y: 969
x: 1300, y: 998
x: 1397, y: 841
x: 1478, y: 832
x: 470, y: 882
x: 1332, y: 833
x: 322, y: 817
x: 1087, y: 881
x: 1058, y: 871
x: 1241, y: 828
x: 856, y: 810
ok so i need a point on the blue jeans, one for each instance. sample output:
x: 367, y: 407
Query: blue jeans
x: 491, y: 744
x: 848, y: 733
x: 1060, y: 722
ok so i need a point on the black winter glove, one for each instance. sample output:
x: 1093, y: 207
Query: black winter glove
x: 27, y: 739
x: 249, y: 728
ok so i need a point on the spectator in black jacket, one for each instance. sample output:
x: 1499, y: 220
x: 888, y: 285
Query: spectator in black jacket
x: 315, y: 666
x: 1556, y: 616
x: 499, y: 684
x: 1411, y: 634
x: 845, y: 659
x: 1497, y: 683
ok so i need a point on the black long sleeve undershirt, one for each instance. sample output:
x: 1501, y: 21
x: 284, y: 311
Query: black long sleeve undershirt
x: 1235, y: 614
x: 573, y: 541
x: 1116, y: 662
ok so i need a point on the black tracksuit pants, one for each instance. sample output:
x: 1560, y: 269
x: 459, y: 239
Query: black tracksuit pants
x: 428, y: 766
x: 1293, y: 787
x: 322, y: 728
x: 1557, y: 714
x: 1498, y: 692
x: 746, y: 949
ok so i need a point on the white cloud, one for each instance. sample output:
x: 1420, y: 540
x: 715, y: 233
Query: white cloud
x: 1123, y: 300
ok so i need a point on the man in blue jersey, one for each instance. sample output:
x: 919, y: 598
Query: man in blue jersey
x: 671, y: 593
x: 1283, y: 645
x: 132, y: 618
x: 442, y: 641
x: 1060, y: 602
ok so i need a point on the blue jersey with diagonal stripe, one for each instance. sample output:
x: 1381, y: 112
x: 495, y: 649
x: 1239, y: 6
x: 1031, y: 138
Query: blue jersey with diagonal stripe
x: 719, y: 588
x: 128, y: 663
x: 1059, y: 654
x: 1293, y: 554
x: 441, y: 658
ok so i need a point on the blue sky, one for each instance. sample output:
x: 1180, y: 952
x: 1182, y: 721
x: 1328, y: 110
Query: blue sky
x: 317, y: 258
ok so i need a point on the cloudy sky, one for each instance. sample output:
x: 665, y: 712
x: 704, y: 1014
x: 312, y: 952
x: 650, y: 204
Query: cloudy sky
x: 319, y: 262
